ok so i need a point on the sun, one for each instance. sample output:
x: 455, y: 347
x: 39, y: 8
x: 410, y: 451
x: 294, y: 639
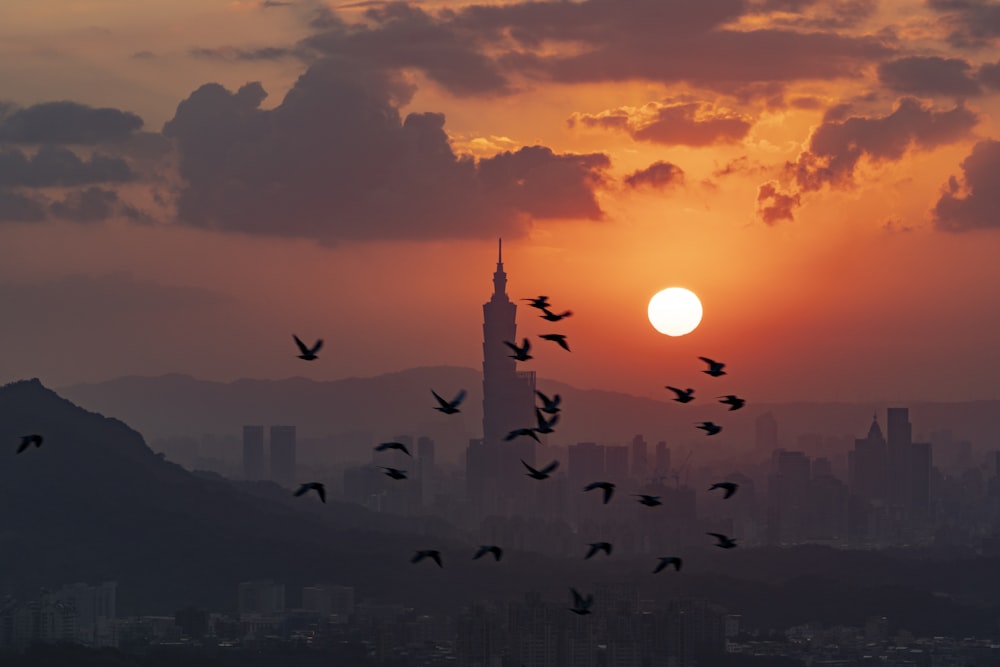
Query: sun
x: 675, y: 311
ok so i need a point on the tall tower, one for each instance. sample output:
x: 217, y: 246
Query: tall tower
x: 283, y: 455
x: 508, y: 394
x: 899, y: 439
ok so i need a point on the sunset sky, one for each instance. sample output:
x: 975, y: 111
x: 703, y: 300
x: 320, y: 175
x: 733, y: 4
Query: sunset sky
x: 186, y: 183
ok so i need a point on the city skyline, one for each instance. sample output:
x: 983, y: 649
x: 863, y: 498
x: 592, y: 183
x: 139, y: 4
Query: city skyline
x: 822, y: 175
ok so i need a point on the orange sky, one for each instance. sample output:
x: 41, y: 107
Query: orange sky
x: 815, y: 216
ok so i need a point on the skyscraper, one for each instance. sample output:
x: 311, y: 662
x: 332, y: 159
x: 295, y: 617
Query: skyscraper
x: 508, y: 401
x: 899, y: 440
x: 283, y: 454
x: 253, y: 452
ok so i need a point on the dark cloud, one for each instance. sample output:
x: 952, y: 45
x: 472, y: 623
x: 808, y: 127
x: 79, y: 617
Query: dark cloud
x: 974, y: 202
x: 687, y: 124
x: 774, y: 205
x: 741, y: 165
x: 233, y: 54
x: 837, y: 146
x: 17, y: 207
x: 55, y: 166
x: 66, y: 123
x: 336, y: 161
x: 929, y: 75
x: 268, y: 4
x: 658, y: 175
x: 92, y: 205
x: 819, y: 14
x: 973, y: 23
x: 989, y: 75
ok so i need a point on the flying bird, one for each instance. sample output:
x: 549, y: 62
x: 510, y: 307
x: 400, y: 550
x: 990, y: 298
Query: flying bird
x: 581, y: 605
x: 714, y: 367
x: 433, y: 554
x: 607, y: 487
x: 730, y: 488
x: 710, y: 428
x: 394, y: 473
x: 551, y: 405
x: 308, y: 353
x: 552, y: 317
x: 449, y: 407
x: 598, y: 546
x: 734, y: 402
x: 648, y: 501
x: 489, y: 549
x: 518, y: 432
x: 559, y: 339
x: 541, y: 302
x: 666, y: 561
x: 683, y: 395
x: 545, y: 425
x: 724, y: 542
x: 29, y: 440
x: 392, y: 445
x: 312, y: 486
x: 520, y: 353
x: 540, y: 474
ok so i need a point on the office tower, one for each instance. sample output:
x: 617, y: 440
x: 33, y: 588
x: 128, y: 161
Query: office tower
x: 283, y: 455
x: 260, y: 597
x: 867, y: 465
x: 508, y: 399
x: 788, y: 488
x: 920, y: 481
x: 662, y: 458
x: 585, y: 463
x: 616, y: 463
x: 899, y: 440
x: 766, y: 434
x: 253, y: 452
x: 327, y: 599
x: 640, y: 457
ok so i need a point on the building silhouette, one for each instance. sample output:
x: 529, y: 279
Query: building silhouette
x: 253, y: 453
x: 766, y: 434
x: 283, y: 454
x: 508, y: 404
x: 899, y: 441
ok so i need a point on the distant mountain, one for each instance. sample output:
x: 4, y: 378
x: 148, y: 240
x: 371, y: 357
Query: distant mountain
x: 401, y: 403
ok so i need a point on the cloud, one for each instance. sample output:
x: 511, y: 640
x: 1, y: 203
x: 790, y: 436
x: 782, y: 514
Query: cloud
x: 66, y: 123
x: 774, y: 205
x: 819, y: 14
x: 233, y: 54
x: 989, y: 75
x: 973, y: 23
x: 973, y: 203
x: 658, y: 175
x: 17, y: 207
x: 92, y: 205
x: 55, y: 166
x: 335, y: 161
x: 929, y: 75
x: 837, y: 146
x: 685, y: 123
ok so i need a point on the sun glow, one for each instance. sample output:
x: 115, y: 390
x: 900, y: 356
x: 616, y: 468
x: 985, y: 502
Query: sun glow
x: 675, y: 311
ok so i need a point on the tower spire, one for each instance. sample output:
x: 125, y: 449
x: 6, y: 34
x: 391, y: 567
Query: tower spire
x: 500, y: 251
x: 499, y: 277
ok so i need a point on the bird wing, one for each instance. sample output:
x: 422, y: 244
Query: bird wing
x: 659, y: 567
x: 302, y: 346
x: 459, y: 397
x: 497, y: 552
x: 577, y: 598
x: 591, y: 552
x: 25, y: 443
x: 417, y: 557
x: 718, y: 536
x: 437, y: 558
x: 545, y: 399
x: 609, y: 489
x: 528, y: 467
x: 302, y: 489
x: 710, y: 362
x: 444, y: 403
x: 321, y: 490
x: 550, y: 467
x: 315, y: 348
x: 482, y: 551
x: 512, y: 346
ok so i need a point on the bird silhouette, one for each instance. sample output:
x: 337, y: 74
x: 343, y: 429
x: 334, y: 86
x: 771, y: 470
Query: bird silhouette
x: 392, y: 445
x: 308, y: 353
x: 648, y: 501
x: 607, y: 487
x: 730, y: 488
x: 489, y: 549
x: 312, y: 486
x: 541, y: 302
x: 724, y: 542
x: 518, y: 432
x: 581, y: 605
x: 449, y: 407
x: 714, y: 367
x: 394, y: 473
x: 540, y: 474
x: 666, y: 561
x: 552, y: 317
x: 734, y: 402
x: 29, y: 440
x: 545, y: 425
x: 433, y: 554
x: 710, y: 428
x: 683, y: 395
x: 598, y: 546
x: 551, y: 405
x: 559, y: 339
x: 520, y: 353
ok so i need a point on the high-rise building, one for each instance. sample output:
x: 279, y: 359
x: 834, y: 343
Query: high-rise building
x: 662, y: 458
x: 327, y: 599
x: 508, y: 401
x: 283, y: 454
x: 616, y: 462
x: 260, y: 597
x: 788, y: 499
x: 253, y: 452
x: 899, y: 440
x: 640, y: 457
x: 920, y: 480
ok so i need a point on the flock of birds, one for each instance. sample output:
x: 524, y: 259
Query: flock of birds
x: 547, y: 415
